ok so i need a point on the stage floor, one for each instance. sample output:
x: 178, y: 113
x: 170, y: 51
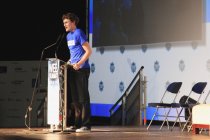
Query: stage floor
x: 102, y: 133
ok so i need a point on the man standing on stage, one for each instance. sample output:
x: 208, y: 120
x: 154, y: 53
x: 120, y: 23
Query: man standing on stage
x: 80, y: 52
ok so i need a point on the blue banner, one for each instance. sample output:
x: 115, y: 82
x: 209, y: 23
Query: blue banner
x: 100, y: 109
x: 207, y: 10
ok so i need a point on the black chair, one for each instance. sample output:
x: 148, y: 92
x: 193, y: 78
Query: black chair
x: 187, y: 102
x: 166, y: 103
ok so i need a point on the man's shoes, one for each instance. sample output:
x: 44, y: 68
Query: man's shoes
x: 71, y: 128
x: 83, y: 129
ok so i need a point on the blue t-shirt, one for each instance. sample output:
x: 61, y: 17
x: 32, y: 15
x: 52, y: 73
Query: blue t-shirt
x: 75, y: 40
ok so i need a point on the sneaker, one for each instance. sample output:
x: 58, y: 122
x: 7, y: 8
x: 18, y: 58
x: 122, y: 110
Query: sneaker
x: 71, y: 128
x: 83, y: 129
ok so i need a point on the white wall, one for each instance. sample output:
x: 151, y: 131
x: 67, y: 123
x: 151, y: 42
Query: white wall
x: 187, y: 62
x: 180, y: 62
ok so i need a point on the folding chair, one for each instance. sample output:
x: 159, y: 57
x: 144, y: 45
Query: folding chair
x: 165, y: 103
x: 189, y: 102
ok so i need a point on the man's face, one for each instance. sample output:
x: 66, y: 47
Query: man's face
x: 68, y: 25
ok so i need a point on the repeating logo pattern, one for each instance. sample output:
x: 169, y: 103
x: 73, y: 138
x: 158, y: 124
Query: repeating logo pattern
x: 101, y: 49
x: 133, y: 67
x: 112, y: 67
x: 156, y: 66
x: 101, y: 86
x: 92, y: 67
x: 181, y: 65
x: 194, y: 45
x: 144, y: 48
x: 122, y: 49
x: 121, y: 86
x: 168, y: 46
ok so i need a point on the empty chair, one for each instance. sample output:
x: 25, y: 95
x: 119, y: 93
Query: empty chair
x: 166, y: 103
x: 187, y: 102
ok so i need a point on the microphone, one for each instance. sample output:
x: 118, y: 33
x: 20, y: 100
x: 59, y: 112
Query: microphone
x: 61, y: 39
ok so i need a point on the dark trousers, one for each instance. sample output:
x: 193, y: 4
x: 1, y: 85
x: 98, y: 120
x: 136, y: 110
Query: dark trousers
x: 78, y: 97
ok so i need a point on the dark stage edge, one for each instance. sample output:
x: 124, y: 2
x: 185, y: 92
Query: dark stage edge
x: 102, y: 133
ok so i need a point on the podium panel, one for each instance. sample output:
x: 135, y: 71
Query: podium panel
x: 53, y: 94
x: 57, y: 94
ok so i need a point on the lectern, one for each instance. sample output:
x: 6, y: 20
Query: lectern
x: 57, y: 95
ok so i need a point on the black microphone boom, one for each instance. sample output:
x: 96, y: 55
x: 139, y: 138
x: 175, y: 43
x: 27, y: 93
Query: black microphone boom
x: 59, y: 45
x: 53, y: 43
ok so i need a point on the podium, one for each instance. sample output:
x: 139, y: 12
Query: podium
x: 57, y: 95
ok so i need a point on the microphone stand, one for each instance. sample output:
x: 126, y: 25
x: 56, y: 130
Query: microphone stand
x: 59, y: 45
x: 29, y: 108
